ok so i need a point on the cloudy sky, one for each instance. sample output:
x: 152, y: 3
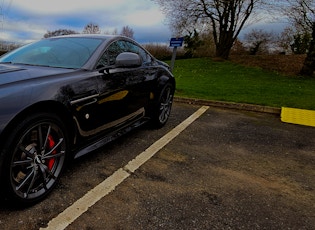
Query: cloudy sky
x: 28, y: 20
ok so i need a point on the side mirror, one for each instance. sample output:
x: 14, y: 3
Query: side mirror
x: 128, y: 59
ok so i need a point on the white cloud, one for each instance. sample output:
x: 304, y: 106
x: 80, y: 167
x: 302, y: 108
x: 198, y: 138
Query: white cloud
x: 22, y: 31
x: 31, y: 19
x: 145, y: 17
x: 58, y: 7
x: 134, y: 10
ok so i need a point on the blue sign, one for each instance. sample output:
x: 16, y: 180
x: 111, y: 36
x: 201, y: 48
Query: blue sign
x: 176, y: 42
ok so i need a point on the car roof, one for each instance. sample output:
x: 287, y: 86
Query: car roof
x: 98, y: 36
x: 106, y: 38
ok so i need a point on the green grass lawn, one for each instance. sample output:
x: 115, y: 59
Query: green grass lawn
x: 203, y: 78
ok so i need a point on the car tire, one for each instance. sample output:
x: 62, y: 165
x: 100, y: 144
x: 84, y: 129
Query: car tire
x: 163, y: 106
x: 34, y: 158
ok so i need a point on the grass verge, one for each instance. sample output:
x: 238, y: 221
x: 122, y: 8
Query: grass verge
x: 203, y: 78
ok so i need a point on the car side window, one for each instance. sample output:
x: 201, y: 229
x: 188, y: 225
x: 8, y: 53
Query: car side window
x: 138, y: 50
x: 109, y: 56
x: 114, y: 50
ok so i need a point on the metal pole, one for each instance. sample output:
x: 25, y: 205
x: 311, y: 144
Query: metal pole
x: 173, y: 58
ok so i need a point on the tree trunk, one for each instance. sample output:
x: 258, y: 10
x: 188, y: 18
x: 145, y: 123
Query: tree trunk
x: 223, y: 49
x: 222, y: 53
x: 309, y: 63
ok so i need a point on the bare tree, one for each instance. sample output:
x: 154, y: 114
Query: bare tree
x: 225, y: 18
x: 301, y: 14
x: 127, y: 31
x: 238, y: 48
x: 285, y: 40
x: 309, y: 63
x: 113, y: 32
x: 259, y: 41
x: 59, y: 32
x: 91, y: 28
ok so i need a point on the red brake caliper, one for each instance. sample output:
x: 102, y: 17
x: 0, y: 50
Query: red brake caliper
x: 51, y: 144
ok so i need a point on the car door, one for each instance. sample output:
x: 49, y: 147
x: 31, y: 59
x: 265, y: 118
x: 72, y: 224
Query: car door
x: 81, y: 91
x: 124, y: 92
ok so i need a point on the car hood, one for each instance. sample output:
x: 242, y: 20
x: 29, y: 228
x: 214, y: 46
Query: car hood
x: 10, y: 73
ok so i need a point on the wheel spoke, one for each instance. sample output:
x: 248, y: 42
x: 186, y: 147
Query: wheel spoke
x: 44, y: 169
x: 26, y: 179
x: 22, y: 162
x: 28, y: 153
x: 55, y: 155
x: 32, y: 183
x: 54, y: 148
x: 40, y: 136
x: 46, y: 138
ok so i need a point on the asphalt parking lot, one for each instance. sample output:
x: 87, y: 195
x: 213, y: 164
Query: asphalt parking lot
x: 229, y: 169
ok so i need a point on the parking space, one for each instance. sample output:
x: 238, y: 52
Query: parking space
x: 227, y: 170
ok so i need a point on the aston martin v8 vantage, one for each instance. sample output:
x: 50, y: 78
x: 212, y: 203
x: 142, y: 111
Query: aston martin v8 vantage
x: 65, y: 96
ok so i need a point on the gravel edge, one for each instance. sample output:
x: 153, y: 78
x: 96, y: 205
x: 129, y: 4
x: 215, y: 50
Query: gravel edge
x: 229, y: 105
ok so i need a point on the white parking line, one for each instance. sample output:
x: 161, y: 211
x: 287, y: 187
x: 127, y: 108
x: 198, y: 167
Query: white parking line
x: 70, y: 214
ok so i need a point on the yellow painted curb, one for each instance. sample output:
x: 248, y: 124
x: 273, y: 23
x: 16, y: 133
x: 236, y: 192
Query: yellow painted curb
x: 298, y: 116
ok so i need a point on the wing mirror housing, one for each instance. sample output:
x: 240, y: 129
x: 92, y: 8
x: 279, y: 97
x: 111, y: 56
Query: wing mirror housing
x: 128, y: 59
x: 123, y: 60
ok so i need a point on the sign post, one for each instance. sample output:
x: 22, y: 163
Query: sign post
x: 175, y: 42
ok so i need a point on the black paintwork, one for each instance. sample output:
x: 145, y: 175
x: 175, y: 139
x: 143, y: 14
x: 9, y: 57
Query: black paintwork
x: 96, y: 104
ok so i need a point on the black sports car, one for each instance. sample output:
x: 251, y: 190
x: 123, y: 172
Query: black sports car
x: 63, y: 97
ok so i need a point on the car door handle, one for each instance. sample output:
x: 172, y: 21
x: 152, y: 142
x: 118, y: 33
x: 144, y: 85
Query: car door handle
x: 92, y: 98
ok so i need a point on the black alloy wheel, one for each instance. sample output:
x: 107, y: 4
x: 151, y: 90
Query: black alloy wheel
x: 164, y: 105
x: 35, y: 157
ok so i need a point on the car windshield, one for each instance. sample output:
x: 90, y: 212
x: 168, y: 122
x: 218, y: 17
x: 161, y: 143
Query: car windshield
x: 70, y: 52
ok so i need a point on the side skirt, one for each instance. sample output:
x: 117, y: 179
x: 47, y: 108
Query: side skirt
x: 110, y: 137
